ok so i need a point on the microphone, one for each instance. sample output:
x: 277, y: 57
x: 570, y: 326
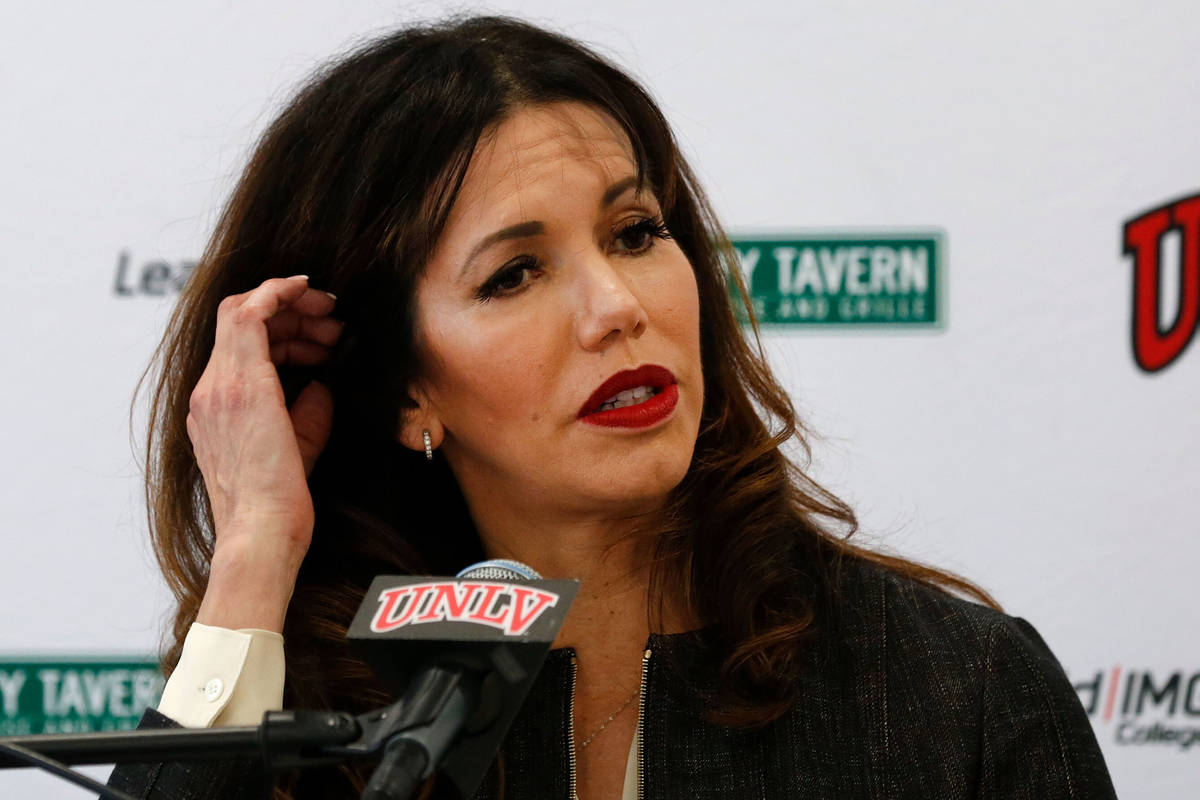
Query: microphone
x: 473, y: 645
x: 503, y: 569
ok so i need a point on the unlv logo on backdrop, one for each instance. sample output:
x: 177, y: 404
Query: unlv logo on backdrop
x: 1153, y: 347
x: 508, y: 606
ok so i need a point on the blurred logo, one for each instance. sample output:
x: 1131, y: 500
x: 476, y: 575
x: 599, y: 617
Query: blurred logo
x: 1144, y: 707
x: 154, y: 278
x: 76, y: 695
x: 861, y: 279
x: 1168, y: 233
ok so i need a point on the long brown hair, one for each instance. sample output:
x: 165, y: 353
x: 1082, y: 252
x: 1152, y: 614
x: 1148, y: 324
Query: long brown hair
x: 352, y: 185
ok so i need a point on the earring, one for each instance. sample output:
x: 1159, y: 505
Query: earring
x: 428, y: 445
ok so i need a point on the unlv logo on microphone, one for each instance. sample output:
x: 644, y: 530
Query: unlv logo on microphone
x: 1155, y: 348
x: 510, y: 607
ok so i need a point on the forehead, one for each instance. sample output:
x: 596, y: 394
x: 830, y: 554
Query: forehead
x: 539, y: 151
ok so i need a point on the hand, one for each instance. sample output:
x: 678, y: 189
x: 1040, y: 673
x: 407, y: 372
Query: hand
x: 254, y: 454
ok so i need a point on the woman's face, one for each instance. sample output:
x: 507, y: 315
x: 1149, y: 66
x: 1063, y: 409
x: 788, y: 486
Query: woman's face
x: 553, y: 288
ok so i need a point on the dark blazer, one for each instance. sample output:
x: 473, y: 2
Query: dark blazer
x: 908, y: 693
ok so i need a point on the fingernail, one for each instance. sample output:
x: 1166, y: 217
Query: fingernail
x: 332, y: 296
x: 298, y: 278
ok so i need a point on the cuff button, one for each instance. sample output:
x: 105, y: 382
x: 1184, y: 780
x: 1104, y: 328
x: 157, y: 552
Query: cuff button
x: 212, y: 689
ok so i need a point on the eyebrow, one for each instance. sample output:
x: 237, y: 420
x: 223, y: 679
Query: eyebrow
x: 617, y: 189
x: 534, y: 228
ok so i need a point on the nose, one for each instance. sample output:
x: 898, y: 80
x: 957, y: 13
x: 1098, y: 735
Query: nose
x: 609, y: 309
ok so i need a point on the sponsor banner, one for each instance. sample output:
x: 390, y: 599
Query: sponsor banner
x: 888, y: 279
x: 75, y: 695
x: 1137, y: 707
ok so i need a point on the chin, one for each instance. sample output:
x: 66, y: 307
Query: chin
x: 640, y: 487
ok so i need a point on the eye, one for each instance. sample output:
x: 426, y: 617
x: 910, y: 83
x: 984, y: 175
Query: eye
x: 640, y: 235
x: 509, y: 279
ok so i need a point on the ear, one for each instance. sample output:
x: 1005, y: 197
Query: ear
x: 421, y: 417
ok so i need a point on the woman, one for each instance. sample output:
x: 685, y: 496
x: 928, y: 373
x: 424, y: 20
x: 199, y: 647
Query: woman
x: 529, y: 352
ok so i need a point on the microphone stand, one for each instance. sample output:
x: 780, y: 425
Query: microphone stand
x: 463, y: 673
x: 413, y: 736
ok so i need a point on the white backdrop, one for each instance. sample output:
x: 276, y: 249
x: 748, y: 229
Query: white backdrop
x: 1019, y: 443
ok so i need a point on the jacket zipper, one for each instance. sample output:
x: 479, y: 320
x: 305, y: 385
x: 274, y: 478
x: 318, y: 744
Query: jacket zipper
x: 641, y: 726
x: 571, y: 793
x: 641, y: 729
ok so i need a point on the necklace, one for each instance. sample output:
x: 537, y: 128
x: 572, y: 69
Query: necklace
x: 611, y: 717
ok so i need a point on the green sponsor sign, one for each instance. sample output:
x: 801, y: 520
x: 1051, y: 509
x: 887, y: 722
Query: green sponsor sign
x: 888, y: 279
x: 76, y: 695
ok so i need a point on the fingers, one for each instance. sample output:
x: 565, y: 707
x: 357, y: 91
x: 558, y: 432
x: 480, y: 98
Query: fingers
x: 291, y: 325
x: 241, y: 333
x: 299, y: 352
x: 312, y: 419
x: 312, y: 302
x: 301, y: 340
x: 270, y: 297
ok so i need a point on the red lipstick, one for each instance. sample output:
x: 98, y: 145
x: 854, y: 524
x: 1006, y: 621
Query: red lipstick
x: 649, y: 411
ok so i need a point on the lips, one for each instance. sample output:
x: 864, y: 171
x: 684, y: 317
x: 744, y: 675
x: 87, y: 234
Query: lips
x: 643, y: 412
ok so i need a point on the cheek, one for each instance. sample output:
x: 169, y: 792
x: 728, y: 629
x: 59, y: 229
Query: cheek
x: 675, y: 302
x: 487, y: 377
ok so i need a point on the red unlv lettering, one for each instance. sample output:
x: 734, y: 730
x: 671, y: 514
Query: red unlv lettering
x: 1153, y: 347
x: 450, y: 601
x: 394, y: 611
x: 509, y: 607
x: 527, y: 605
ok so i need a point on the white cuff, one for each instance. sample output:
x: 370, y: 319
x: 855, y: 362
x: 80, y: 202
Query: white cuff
x: 225, y: 677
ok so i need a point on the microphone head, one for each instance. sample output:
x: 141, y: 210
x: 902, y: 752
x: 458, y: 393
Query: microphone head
x: 499, y: 569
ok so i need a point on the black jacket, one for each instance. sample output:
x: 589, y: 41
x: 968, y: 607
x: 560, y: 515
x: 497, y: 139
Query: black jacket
x: 908, y: 693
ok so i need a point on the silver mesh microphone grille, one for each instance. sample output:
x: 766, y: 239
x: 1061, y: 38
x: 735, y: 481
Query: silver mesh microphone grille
x: 499, y: 569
